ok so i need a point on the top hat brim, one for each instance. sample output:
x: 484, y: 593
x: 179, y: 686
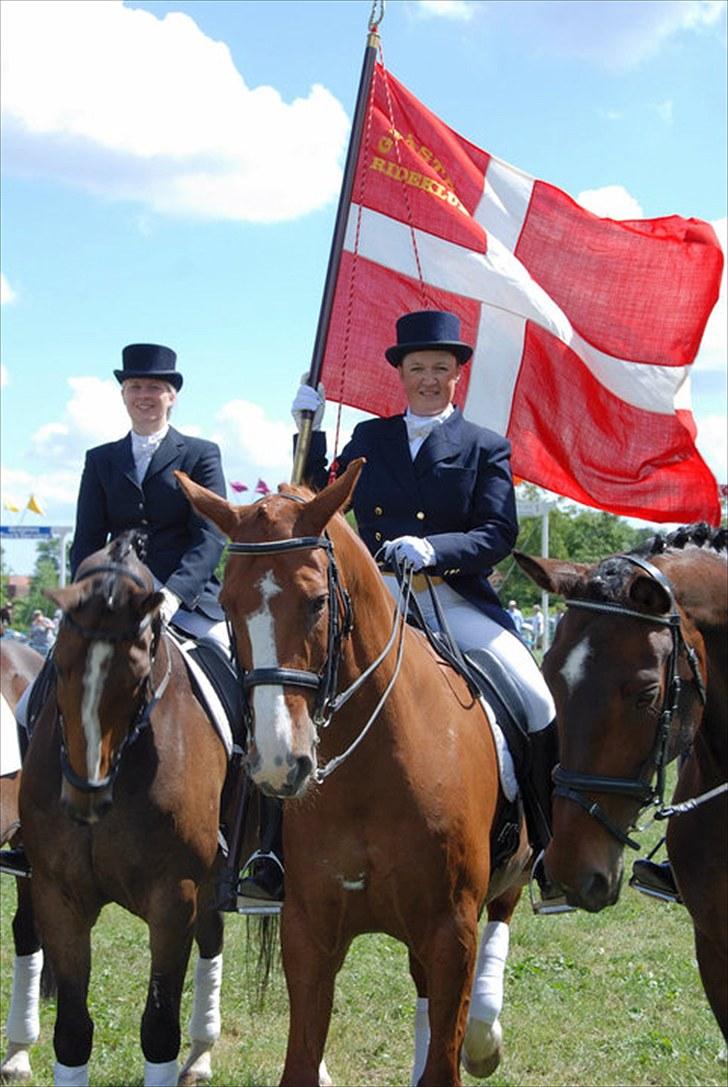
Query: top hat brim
x: 172, y: 377
x: 461, y: 351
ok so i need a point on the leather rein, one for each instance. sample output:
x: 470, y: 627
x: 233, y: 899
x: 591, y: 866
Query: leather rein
x: 152, y: 695
x: 572, y: 784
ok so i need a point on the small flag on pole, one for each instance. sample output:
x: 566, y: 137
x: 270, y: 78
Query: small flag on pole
x: 11, y: 506
x: 238, y: 487
x: 262, y: 487
x: 34, y: 506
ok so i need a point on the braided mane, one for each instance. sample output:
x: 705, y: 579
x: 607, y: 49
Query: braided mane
x: 609, y: 579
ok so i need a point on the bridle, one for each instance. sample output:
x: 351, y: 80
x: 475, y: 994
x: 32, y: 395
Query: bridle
x: 151, y: 695
x: 571, y: 784
x: 340, y: 625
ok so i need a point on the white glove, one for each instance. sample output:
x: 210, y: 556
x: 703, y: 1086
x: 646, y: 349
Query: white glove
x: 169, y: 605
x: 309, y: 399
x: 419, y: 552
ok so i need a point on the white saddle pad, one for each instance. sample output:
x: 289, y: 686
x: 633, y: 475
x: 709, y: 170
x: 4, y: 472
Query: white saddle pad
x: 9, y: 746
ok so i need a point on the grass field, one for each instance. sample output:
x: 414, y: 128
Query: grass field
x: 611, y: 999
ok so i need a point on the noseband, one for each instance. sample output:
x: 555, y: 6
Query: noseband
x: 570, y: 784
x: 141, y: 721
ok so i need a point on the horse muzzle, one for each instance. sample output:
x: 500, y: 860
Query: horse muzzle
x: 586, y: 886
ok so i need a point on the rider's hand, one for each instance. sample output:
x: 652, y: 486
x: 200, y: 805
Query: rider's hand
x: 169, y: 605
x: 309, y: 399
x: 412, y: 549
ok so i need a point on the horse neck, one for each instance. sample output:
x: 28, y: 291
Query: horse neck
x: 699, y: 581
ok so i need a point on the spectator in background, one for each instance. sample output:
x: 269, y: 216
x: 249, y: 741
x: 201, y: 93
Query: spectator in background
x: 517, y: 616
x: 42, y: 632
x: 538, y: 627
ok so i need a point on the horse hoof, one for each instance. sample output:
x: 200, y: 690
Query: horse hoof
x: 482, y: 1048
x: 197, y: 1070
x: 16, y: 1067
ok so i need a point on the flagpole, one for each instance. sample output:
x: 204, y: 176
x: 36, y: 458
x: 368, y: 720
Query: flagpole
x: 337, y: 242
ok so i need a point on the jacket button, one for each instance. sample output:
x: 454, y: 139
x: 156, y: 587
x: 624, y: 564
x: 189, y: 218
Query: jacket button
x: 378, y: 511
x: 377, y: 536
x: 141, y: 506
x: 420, y: 515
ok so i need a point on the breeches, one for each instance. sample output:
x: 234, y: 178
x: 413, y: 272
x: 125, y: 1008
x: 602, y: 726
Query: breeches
x: 472, y: 629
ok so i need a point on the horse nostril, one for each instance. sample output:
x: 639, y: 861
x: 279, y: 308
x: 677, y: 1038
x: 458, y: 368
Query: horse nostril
x: 301, y: 772
x: 595, y: 892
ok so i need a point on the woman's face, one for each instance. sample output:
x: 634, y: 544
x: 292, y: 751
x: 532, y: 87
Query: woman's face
x: 148, y: 402
x: 429, y: 379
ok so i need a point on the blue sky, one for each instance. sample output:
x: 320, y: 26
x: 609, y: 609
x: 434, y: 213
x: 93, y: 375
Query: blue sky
x: 171, y: 170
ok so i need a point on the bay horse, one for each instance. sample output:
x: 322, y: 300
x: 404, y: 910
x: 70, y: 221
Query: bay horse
x: 119, y: 802
x: 639, y: 672
x: 19, y: 665
x: 389, y: 810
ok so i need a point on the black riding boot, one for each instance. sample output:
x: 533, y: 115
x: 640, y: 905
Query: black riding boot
x: 264, y: 881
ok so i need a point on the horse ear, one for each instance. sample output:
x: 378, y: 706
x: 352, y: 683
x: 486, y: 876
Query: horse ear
x: 555, y: 575
x: 208, y: 504
x: 67, y: 598
x: 149, y: 603
x: 649, y: 594
x: 318, y: 512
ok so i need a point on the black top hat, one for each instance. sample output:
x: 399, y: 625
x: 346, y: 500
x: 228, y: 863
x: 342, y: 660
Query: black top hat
x: 428, y: 330
x: 149, y: 360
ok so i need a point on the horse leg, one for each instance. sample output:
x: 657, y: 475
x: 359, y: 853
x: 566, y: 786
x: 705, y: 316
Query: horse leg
x: 171, y: 928
x: 65, y: 929
x: 310, y: 976
x: 483, y: 1044
x: 23, y: 1023
x: 205, y: 1017
x: 449, y: 971
x: 713, y: 966
x: 422, y: 1019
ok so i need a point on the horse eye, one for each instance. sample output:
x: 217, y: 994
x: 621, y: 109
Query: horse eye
x: 647, y: 698
x: 317, y: 605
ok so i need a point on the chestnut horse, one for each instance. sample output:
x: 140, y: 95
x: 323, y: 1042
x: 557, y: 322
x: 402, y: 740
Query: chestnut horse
x: 19, y: 665
x: 389, y: 811
x: 119, y: 802
x: 639, y: 673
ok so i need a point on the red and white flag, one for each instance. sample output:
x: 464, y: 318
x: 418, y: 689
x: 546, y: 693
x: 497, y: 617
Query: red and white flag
x: 584, y: 328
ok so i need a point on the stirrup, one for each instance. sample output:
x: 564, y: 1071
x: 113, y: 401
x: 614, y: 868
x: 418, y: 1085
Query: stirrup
x: 541, y: 904
x: 13, y: 862
x: 247, y: 904
x: 665, y: 894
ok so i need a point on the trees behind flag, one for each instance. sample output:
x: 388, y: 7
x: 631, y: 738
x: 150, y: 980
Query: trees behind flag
x: 584, y: 328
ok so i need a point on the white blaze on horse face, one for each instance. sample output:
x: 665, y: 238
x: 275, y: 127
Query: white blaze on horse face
x: 273, y: 725
x: 573, y: 670
x: 98, y: 661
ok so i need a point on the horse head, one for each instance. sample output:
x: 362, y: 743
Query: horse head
x: 625, y: 669
x: 103, y: 658
x: 288, y: 611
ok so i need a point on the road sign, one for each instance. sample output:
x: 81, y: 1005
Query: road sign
x: 26, y: 532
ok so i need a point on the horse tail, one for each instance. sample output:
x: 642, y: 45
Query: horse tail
x: 262, y: 955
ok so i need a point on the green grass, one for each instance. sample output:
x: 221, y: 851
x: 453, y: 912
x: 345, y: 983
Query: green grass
x: 609, y: 999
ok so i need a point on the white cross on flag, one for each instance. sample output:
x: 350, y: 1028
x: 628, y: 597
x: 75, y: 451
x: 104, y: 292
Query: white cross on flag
x: 584, y: 328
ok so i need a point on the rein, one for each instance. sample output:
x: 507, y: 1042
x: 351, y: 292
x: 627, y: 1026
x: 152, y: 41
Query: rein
x: 328, y: 701
x: 571, y: 784
x: 142, y: 718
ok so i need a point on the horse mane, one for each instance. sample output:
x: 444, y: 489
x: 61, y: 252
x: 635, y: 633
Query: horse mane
x: 609, y: 579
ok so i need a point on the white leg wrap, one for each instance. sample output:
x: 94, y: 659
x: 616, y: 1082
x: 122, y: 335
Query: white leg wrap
x: 65, y: 1076
x: 205, y: 1018
x: 422, y: 1038
x: 164, y: 1074
x: 23, y: 1022
x: 487, y: 994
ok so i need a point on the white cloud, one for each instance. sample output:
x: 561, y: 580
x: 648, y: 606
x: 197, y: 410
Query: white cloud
x: 94, y: 414
x: 124, y: 104
x: 611, y: 202
x: 615, y: 35
x: 446, y: 9
x: 7, y: 294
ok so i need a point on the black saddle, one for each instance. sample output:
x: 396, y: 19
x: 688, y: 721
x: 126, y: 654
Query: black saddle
x: 215, y: 662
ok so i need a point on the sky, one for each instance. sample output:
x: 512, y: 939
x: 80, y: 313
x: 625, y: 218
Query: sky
x: 170, y: 174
